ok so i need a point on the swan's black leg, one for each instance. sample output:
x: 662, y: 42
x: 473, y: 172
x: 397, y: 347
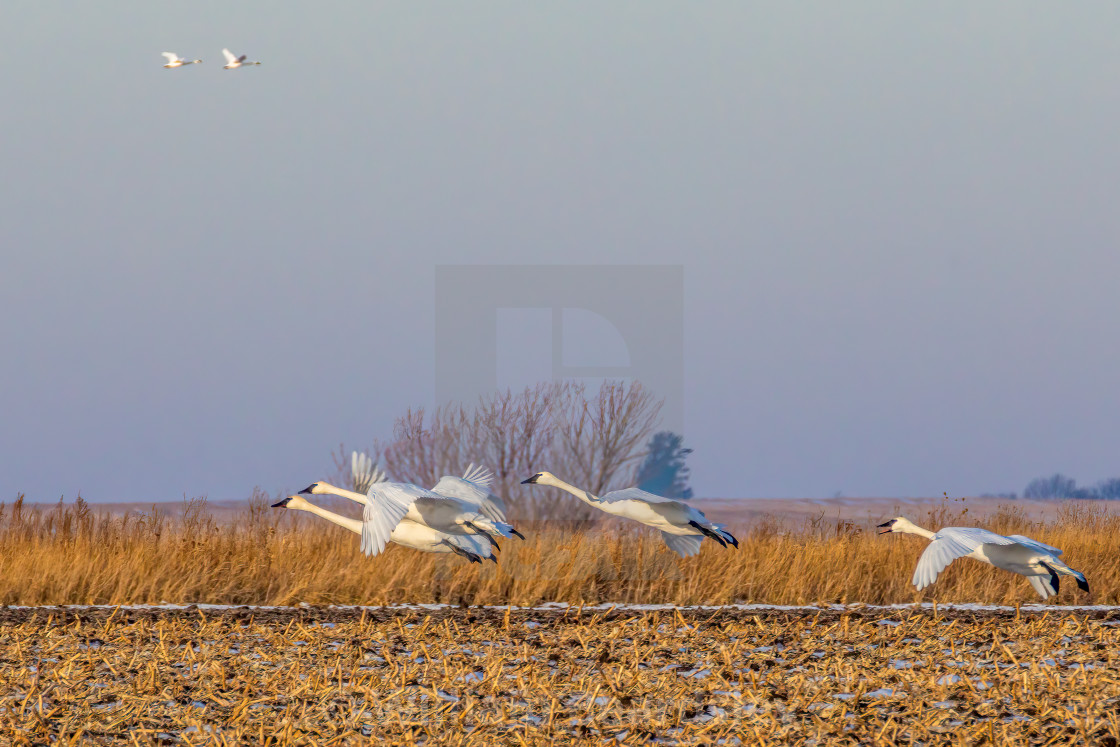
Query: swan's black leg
x: 709, y: 533
x: 1053, y: 577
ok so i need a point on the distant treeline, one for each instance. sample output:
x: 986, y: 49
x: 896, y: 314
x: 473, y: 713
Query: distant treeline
x: 1060, y: 486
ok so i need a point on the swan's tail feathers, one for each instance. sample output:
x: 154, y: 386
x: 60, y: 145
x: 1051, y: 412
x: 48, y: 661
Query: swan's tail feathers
x: 494, y: 508
x: 1056, y: 566
x: 726, y: 535
x: 480, y: 475
x: 685, y: 545
x: 284, y: 502
x: 1082, y: 582
x: 507, y: 530
x: 714, y: 534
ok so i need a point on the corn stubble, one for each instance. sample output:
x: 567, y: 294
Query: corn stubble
x: 478, y: 677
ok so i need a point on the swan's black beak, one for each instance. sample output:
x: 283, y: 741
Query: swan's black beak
x: 532, y: 480
x: 885, y: 527
x: 282, y: 503
x: 308, y: 489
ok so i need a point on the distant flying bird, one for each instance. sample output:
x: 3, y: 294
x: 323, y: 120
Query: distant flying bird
x: 406, y: 533
x: 1015, y: 553
x: 173, y: 60
x: 682, y: 526
x: 233, y: 61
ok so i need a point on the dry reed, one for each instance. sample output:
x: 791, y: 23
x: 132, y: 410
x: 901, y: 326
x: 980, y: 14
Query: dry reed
x: 68, y: 554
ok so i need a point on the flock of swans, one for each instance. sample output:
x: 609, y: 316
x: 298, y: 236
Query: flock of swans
x: 460, y: 515
x: 232, y: 60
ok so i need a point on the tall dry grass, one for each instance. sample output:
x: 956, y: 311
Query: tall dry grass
x: 71, y: 554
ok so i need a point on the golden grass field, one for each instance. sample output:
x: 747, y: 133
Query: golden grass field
x: 323, y: 676
x: 464, y: 674
x: 69, y: 554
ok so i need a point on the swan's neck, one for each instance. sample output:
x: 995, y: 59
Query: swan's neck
x: 346, y: 523
x: 588, y: 498
x: 356, y: 497
x: 912, y: 528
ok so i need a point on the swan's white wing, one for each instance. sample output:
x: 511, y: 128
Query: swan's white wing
x: 493, y: 508
x: 685, y: 545
x: 479, y: 475
x: 474, y: 488
x: 1035, y: 544
x: 464, y: 490
x: 229, y: 56
x: 378, y: 522
x: 171, y: 56
x: 388, y: 503
x: 949, y: 544
x: 362, y: 472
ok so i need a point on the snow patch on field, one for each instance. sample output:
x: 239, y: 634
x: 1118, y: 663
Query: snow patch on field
x: 562, y: 606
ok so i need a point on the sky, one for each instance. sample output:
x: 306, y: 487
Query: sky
x: 896, y: 226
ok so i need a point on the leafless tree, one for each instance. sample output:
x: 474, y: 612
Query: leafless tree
x: 595, y: 442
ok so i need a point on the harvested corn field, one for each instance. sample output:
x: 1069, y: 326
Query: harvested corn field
x: 449, y: 675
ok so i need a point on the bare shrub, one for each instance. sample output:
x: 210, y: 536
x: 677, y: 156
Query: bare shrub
x: 594, y: 442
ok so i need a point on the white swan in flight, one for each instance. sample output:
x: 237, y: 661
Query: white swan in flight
x: 682, y: 526
x: 173, y: 60
x: 473, y: 486
x: 441, y: 512
x: 406, y: 533
x: 465, y: 498
x: 1015, y: 553
x: 386, y: 506
x: 233, y: 61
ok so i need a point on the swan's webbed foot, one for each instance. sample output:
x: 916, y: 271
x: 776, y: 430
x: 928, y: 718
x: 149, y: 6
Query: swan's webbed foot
x: 709, y: 533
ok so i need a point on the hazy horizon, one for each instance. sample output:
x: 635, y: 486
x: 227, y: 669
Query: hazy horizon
x: 894, y: 222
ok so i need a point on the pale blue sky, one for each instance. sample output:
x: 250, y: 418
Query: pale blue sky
x: 896, y: 222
